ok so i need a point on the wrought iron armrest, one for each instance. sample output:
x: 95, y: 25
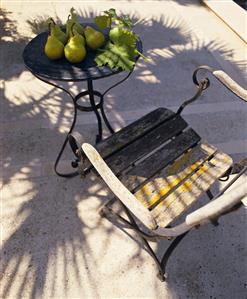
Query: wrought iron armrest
x: 224, y: 78
x: 121, y: 192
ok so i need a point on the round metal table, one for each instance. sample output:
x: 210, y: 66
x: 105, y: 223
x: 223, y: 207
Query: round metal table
x: 49, y: 71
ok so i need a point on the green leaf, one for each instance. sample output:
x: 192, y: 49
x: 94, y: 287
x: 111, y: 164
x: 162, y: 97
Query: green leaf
x: 127, y: 37
x: 111, y: 13
x: 115, y: 56
x: 103, y: 22
x: 126, y: 21
x: 121, y: 50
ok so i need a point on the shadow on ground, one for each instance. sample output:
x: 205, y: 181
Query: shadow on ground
x: 34, y: 244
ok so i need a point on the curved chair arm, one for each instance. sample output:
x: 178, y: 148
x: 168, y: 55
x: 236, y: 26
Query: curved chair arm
x: 225, y: 79
x: 203, y: 84
x: 208, y: 212
x: 217, y: 207
x: 121, y: 192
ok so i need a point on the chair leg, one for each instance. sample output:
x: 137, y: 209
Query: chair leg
x: 161, y: 265
x: 210, y: 194
x: 161, y: 273
x: 170, y: 250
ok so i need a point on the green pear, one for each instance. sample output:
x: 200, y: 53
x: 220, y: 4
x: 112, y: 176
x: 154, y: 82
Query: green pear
x: 75, y: 50
x: 73, y: 31
x: 53, y: 48
x: 73, y: 18
x: 94, y: 38
x: 82, y: 38
x: 57, y: 32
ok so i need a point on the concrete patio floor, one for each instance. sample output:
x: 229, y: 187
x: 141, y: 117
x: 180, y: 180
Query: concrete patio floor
x: 54, y: 243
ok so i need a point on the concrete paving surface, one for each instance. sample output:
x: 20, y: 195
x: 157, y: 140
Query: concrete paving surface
x: 53, y: 242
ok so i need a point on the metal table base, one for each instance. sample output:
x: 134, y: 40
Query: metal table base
x: 95, y: 106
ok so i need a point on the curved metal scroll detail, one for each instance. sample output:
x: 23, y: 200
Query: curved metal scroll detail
x: 74, y: 173
x: 102, y: 98
x: 224, y: 79
x: 116, y: 84
x: 94, y: 107
x: 203, y: 84
x: 195, y: 74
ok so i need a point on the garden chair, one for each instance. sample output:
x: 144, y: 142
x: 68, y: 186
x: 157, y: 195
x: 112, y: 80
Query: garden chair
x: 157, y: 167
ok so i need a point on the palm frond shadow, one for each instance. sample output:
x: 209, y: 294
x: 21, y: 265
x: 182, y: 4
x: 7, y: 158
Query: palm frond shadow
x: 39, y: 23
x: 50, y: 239
x: 12, y: 45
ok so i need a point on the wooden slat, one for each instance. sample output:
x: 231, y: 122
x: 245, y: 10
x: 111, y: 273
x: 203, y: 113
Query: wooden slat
x: 187, y: 193
x: 171, y: 176
x: 166, y: 155
x: 133, y: 131
x: 134, y: 182
x: 145, y: 145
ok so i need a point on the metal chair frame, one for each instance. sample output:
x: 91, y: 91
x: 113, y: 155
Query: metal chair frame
x: 220, y: 204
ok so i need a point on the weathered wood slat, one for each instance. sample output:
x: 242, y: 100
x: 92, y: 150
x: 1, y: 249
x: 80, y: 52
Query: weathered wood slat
x: 169, y: 178
x: 166, y: 155
x: 133, y: 131
x: 134, y: 182
x: 146, y: 144
x: 187, y: 193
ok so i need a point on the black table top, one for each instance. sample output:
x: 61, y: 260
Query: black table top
x: 62, y: 70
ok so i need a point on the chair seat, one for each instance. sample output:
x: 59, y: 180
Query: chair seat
x: 162, y: 161
x: 172, y: 191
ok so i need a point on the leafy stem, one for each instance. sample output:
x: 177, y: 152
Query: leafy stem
x: 143, y: 56
x: 110, y: 16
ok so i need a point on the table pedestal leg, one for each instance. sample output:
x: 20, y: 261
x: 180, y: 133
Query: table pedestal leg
x: 75, y: 173
x: 105, y: 118
x: 95, y: 110
x: 94, y: 107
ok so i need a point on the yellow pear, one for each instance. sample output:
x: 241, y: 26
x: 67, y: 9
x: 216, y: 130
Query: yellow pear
x: 53, y: 48
x: 56, y: 31
x: 75, y: 50
x: 94, y: 38
x: 73, y: 31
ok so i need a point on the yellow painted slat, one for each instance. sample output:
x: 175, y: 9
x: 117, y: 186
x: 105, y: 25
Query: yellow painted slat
x: 149, y: 196
x: 183, y: 182
x: 171, y: 176
x: 180, y: 200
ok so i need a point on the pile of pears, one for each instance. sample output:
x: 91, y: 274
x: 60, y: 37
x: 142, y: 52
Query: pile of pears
x: 74, y: 42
